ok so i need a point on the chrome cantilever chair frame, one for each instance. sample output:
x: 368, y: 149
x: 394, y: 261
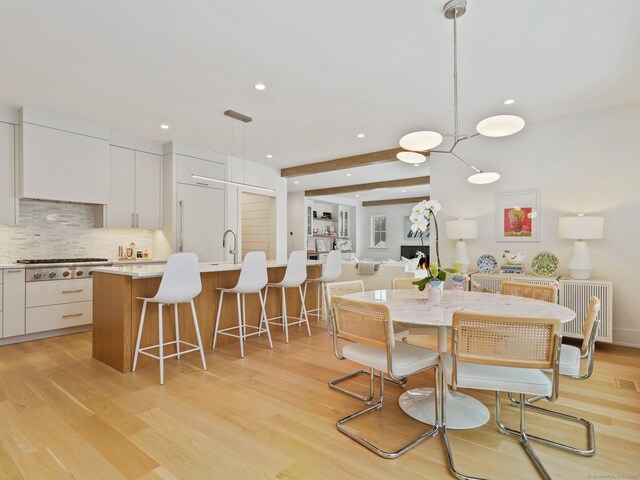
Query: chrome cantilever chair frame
x: 356, y: 373
x: 378, y: 405
x: 589, y: 354
x: 524, y: 437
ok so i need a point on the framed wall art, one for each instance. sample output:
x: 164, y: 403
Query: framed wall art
x: 518, y: 216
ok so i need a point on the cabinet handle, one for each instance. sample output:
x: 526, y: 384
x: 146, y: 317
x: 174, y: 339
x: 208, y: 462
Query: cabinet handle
x: 72, y: 315
x: 133, y: 220
x: 202, y: 183
x: 73, y: 291
x: 137, y: 220
x: 181, y: 224
x: 16, y: 270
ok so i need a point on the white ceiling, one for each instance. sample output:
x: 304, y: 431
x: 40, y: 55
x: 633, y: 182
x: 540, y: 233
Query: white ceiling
x: 332, y: 69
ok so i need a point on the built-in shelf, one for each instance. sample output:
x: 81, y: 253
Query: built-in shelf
x: 315, y: 219
x: 327, y: 236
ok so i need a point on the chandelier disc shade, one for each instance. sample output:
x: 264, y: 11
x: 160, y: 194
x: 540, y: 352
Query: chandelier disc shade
x: 482, y: 178
x: 500, y: 125
x: 411, y: 157
x: 421, y: 141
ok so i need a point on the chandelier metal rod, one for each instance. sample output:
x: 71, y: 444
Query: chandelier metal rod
x: 455, y: 72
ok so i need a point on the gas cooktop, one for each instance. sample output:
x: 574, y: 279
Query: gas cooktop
x: 51, y: 261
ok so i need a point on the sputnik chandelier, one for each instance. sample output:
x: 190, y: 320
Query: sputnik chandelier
x: 496, y: 126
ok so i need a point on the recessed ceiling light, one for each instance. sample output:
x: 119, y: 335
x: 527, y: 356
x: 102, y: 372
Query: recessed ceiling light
x: 164, y: 126
x: 269, y: 155
x: 361, y: 135
x: 403, y: 191
x: 348, y: 174
x: 510, y: 101
x: 416, y: 164
x: 260, y: 86
x: 296, y: 181
x: 357, y: 194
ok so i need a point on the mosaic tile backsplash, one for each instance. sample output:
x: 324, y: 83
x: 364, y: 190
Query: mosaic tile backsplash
x: 57, y: 229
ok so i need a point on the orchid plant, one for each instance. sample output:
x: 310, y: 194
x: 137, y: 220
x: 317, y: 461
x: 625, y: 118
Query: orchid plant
x: 422, y: 215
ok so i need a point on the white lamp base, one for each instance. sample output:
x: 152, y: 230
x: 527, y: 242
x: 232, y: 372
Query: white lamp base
x: 580, y: 266
x: 462, y: 256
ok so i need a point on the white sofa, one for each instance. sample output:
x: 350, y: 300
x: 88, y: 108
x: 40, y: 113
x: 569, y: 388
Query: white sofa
x: 380, y: 280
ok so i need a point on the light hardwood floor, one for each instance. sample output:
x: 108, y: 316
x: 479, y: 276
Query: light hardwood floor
x: 64, y: 414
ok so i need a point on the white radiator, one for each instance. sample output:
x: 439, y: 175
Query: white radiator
x: 575, y: 294
x: 488, y: 282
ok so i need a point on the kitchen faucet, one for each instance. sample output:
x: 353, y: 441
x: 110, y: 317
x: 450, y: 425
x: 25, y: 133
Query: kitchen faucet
x: 232, y: 250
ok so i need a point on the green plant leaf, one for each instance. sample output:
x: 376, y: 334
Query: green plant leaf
x: 442, y: 275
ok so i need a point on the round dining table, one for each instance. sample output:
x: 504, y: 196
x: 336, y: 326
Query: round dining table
x: 411, y: 307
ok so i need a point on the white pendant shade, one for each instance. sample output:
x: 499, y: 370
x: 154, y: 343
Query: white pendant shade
x: 500, y: 125
x: 421, y: 141
x: 482, y: 178
x: 411, y: 157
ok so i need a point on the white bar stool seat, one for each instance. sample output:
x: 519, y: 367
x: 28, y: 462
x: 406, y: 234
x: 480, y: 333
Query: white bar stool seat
x: 180, y: 284
x: 253, y: 278
x: 294, y: 276
x: 331, y: 272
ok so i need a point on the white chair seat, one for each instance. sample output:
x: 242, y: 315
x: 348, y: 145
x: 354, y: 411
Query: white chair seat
x: 285, y: 284
x: 569, y: 360
x: 503, y: 379
x: 239, y: 289
x: 407, y: 358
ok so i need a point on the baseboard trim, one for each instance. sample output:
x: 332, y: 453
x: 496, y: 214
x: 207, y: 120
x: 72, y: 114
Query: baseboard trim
x: 626, y: 337
x: 48, y: 334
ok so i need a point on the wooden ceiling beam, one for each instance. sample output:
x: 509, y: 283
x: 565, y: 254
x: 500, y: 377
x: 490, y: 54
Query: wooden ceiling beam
x: 362, y: 160
x: 403, y: 182
x: 393, y: 201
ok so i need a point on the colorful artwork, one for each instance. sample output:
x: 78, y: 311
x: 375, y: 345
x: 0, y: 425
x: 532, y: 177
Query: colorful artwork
x: 516, y: 222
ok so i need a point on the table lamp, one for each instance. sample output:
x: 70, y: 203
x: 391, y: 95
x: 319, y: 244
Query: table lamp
x: 580, y: 228
x: 462, y: 230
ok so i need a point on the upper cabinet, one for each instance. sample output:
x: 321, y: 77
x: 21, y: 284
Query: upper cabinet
x: 62, y: 158
x: 213, y: 168
x: 7, y: 175
x: 134, y: 190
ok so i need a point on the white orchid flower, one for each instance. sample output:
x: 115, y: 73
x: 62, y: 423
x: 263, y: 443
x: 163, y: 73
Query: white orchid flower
x: 418, y: 208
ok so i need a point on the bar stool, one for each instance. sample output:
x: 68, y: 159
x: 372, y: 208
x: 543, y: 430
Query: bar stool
x: 253, y: 278
x: 294, y: 277
x: 180, y: 284
x: 330, y: 273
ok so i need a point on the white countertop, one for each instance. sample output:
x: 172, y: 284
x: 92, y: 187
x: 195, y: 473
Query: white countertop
x: 150, y: 271
x: 12, y: 265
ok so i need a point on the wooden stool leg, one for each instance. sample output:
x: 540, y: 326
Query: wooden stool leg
x: 160, y: 345
x: 215, y: 334
x: 197, y: 327
x: 135, y: 357
x: 304, y: 310
x: 175, y: 317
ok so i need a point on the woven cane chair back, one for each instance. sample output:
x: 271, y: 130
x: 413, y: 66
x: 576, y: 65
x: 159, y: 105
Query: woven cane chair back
x: 525, y: 342
x: 590, y: 324
x: 547, y: 293
x: 363, y: 322
x: 403, y: 283
x: 338, y: 289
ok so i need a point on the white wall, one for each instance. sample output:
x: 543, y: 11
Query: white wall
x: 296, y: 222
x: 587, y: 163
x: 395, y: 231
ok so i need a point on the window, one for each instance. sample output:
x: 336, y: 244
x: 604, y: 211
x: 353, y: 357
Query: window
x: 378, y: 231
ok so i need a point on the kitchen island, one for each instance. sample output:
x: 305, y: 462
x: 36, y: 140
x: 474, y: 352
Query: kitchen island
x: 116, y: 309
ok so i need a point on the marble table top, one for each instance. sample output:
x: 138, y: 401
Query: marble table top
x: 412, y: 307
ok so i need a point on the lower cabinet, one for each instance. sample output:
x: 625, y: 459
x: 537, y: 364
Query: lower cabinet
x: 52, y: 317
x: 13, y: 307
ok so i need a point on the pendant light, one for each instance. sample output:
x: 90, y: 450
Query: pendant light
x: 245, y: 119
x: 495, y: 126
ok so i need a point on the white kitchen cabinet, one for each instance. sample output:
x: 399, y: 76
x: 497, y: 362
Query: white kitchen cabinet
x: 343, y: 221
x: 7, y: 174
x: 62, y: 165
x: 13, y: 291
x: 53, y: 317
x: 201, y: 221
x: 134, y: 190
x: 187, y: 166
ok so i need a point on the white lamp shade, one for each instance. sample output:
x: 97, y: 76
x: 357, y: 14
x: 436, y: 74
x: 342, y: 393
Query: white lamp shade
x: 421, y: 141
x: 462, y: 229
x: 411, y: 157
x: 482, y: 178
x: 500, y: 125
x: 581, y: 228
